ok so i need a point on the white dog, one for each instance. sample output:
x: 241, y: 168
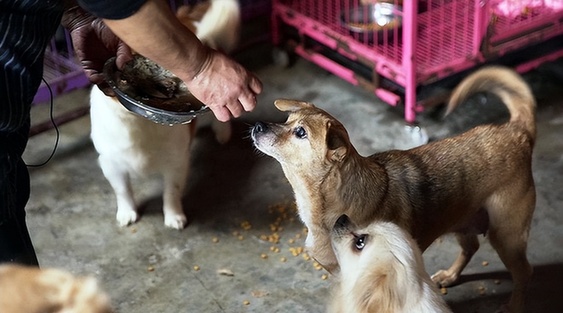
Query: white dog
x: 131, y: 146
x: 382, y: 271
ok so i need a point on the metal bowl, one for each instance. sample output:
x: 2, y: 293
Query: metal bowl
x: 373, y: 22
x: 130, y: 88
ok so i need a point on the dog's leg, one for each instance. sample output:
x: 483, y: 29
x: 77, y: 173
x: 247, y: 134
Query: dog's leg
x: 120, y: 182
x: 512, y: 252
x: 508, y: 234
x: 222, y: 131
x: 469, y: 245
x: 174, y: 185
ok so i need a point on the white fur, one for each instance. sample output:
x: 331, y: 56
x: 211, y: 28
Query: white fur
x: 388, y: 275
x: 131, y: 146
x: 220, y: 26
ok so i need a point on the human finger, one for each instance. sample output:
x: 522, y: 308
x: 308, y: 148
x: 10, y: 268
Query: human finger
x: 236, y: 109
x: 248, y: 101
x: 255, y: 85
x: 221, y: 113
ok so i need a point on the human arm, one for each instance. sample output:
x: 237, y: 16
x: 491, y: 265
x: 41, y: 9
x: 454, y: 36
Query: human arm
x: 94, y: 43
x: 221, y: 83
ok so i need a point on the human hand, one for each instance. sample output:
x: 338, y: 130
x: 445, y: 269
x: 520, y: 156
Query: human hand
x: 94, y: 43
x: 225, y: 86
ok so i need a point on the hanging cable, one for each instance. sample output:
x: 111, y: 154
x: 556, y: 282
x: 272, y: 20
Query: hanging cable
x: 51, y: 109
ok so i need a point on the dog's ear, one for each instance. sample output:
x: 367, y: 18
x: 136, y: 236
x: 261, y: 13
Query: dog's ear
x: 288, y: 105
x: 336, y: 142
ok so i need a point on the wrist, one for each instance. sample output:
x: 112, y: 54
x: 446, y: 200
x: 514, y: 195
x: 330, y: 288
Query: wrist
x: 202, y: 59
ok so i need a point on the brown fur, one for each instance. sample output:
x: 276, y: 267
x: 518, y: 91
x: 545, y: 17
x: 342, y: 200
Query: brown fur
x: 32, y: 290
x: 429, y: 190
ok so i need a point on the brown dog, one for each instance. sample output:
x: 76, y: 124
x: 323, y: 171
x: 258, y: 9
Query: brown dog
x: 429, y: 190
x: 32, y: 290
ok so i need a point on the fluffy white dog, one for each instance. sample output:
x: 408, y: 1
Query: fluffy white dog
x: 130, y: 146
x: 381, y: 271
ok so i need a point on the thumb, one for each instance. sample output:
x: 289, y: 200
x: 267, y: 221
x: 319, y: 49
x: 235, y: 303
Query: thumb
x: 123, y: 55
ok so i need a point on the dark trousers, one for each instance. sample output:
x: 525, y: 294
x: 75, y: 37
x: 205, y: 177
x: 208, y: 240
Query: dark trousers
x: 15, y: 242
x: 26, y: 27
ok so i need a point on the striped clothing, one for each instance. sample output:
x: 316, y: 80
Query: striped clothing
x: 26, y: 26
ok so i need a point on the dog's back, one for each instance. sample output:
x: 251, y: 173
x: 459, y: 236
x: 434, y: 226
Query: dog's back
x: 492, y: 163
x: 218, y: 27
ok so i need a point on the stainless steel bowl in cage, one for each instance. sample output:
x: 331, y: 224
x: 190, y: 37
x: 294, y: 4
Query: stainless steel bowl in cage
x: 148, y: 90
x: 375, y: 22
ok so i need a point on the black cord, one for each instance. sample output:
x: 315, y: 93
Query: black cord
x: 54, y: 126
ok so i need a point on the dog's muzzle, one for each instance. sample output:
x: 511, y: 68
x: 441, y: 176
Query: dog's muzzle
x: 259, y: 128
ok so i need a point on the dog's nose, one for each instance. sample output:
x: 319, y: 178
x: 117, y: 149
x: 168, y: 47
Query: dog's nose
x: 260, y: 127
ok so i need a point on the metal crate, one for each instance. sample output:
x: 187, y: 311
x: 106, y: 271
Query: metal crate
x: 436, y: 40
x: 61, y: 71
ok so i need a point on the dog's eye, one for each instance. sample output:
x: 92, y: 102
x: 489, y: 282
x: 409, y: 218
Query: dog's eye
x: 360, y: 242
x: 300, y: 132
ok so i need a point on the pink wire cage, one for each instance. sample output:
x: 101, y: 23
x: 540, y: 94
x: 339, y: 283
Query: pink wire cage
x: 435, y: 40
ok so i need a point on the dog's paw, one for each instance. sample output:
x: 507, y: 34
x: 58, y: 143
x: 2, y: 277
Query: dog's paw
x: 176, y: 221
x: 443, y: 278
x: 126, y: 217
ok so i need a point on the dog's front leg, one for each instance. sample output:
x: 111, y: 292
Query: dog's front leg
x: 469, y: 245
x: 120, y: 182
x: 174, y: 185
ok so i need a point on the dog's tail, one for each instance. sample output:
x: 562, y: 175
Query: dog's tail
x: 220, y: 26
x: 508, y: 85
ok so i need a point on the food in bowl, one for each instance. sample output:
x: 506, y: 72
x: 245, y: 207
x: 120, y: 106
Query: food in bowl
x: 145, y: 88
x: 146, y: 81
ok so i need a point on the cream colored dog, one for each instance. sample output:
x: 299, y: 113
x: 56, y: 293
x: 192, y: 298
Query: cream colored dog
x: 32, y: 290
x: 381, y: 271
x: 479, y: 181
x: 131, y: 146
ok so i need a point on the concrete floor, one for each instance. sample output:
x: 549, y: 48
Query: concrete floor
x: 242, y: 221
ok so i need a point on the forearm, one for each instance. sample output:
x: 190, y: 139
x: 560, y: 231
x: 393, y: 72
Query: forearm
x: 152, y: 31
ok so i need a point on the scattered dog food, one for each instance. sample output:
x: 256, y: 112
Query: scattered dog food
x: 225, y: 272
x: 259, y: 293
x: 246, y: 225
